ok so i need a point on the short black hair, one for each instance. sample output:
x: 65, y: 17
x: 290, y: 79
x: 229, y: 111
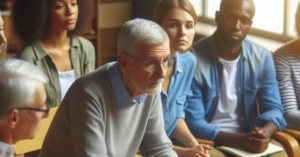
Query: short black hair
x: 30, y: 18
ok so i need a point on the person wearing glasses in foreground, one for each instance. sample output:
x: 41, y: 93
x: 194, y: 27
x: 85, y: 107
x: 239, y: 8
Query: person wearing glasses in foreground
x: 116, y: 110
x: 22, y: 103
x: 178, y: 18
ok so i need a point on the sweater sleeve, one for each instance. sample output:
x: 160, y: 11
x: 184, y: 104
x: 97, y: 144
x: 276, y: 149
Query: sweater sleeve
x: 287, y: 91
x: 195, y: 116
x: 155, y: 142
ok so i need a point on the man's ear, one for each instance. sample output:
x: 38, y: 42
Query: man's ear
x: 123, y: 62
x: 12, y: 118
x: 217, y: 16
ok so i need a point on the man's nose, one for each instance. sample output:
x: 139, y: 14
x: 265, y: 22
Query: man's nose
x: 236, y: 25
x: 161, y: 71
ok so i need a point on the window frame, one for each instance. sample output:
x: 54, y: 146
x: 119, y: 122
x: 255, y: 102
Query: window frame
x: 284, y: 37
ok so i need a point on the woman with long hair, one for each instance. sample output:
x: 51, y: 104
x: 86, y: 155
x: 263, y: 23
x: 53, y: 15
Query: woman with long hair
x: 49, y: 29
x: 178, y: 18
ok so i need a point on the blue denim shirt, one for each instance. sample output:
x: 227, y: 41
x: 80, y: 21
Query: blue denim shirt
x: 255, y: 81
x: 179, y: 90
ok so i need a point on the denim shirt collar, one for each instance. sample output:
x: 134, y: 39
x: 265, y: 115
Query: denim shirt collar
x: 178, y: 67
x: 122, y: 96
x: 215, y: 58
x: 178, y: 63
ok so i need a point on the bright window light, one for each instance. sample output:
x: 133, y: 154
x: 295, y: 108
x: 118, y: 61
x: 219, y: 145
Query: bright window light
x: 212, y: 6
x: 271, y: 20
x: 292, y: 11
x: 198, y: 6
x: 269, y: 15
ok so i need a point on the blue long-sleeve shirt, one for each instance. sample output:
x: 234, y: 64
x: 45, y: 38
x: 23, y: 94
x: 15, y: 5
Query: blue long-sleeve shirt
x: 180, y: 91
x: 255, y: 80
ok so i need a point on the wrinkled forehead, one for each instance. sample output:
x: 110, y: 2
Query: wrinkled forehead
x: 244, y: 7
x: 152, y: 51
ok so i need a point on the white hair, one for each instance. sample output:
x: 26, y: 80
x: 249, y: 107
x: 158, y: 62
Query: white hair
x: 140, y: 31
x: 18, y: 82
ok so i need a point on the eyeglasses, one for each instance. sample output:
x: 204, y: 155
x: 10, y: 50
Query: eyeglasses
x: 154, y: 65
x: 36, y: 109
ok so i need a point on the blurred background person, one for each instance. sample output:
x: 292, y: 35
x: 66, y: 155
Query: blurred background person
x: 22, y: 103
x: 2, y: 39
x: 287, y: 62
x: 178, y: 18
x: 49, y: 34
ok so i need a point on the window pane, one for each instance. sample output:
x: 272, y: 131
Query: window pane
x: 269, y: 18
x: 292, y: 11
x: 198, y: 6
x: 212, y: 6
x: 266, y: 18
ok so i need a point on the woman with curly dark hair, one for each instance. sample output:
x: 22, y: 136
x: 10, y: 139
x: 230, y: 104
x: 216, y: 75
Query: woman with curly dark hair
x: 48, y: 29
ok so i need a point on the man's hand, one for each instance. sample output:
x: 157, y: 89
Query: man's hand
x: 256, y: 141
x: 200, y: 150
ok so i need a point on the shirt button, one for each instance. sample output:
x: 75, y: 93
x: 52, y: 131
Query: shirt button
x: 73, y: 58
x: 256, y: 86
x: 243, y: 118
x: 166, y: 111
x: 239, y: 88
x: 166, y: 122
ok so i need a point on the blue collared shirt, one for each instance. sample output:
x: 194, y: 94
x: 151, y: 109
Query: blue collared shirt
x: 255, y: 80
x: 179, y: 90
x: 121, y: 93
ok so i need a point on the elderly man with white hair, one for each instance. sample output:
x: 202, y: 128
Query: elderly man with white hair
x: 116, y: 110
x: 22, y: 103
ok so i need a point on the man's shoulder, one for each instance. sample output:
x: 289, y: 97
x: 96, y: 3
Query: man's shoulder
x: 98, y: 76
x: 254, y: 48
x: 203, y: 42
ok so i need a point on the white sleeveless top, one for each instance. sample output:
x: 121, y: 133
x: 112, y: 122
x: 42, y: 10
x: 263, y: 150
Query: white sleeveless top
x: 66, y: 78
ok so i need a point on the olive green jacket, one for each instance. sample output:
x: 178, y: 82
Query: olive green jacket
x: 82, y: 55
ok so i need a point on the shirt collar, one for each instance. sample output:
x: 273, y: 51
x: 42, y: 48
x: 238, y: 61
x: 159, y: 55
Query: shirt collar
x: 41, y: 52
x: 122, y: 96
x: 215, y: 53
x: 7, y: 149
x: 178, y: 64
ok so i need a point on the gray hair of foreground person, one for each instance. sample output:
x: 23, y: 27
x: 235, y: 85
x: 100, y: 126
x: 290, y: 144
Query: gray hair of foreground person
x: 140, y: 31
x: 18, y: 82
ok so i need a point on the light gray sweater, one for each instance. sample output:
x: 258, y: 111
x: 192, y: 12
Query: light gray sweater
x: 89, y: 123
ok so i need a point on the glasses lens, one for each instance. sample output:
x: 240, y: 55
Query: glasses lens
x: 151, y: 67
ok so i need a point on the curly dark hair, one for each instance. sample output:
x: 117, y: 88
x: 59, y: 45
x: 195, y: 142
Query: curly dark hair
x: 30, y: 18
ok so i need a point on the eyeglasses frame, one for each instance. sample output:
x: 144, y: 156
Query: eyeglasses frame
x: 168, y: 66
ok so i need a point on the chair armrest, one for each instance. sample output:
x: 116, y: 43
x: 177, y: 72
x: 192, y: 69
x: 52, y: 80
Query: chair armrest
x: 202, y: 141
x: 137, y: 155
x: 290, y: 144
x: 292, y: 132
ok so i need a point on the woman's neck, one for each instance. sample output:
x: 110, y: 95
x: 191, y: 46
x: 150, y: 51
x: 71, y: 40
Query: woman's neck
x: 56, y: 39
